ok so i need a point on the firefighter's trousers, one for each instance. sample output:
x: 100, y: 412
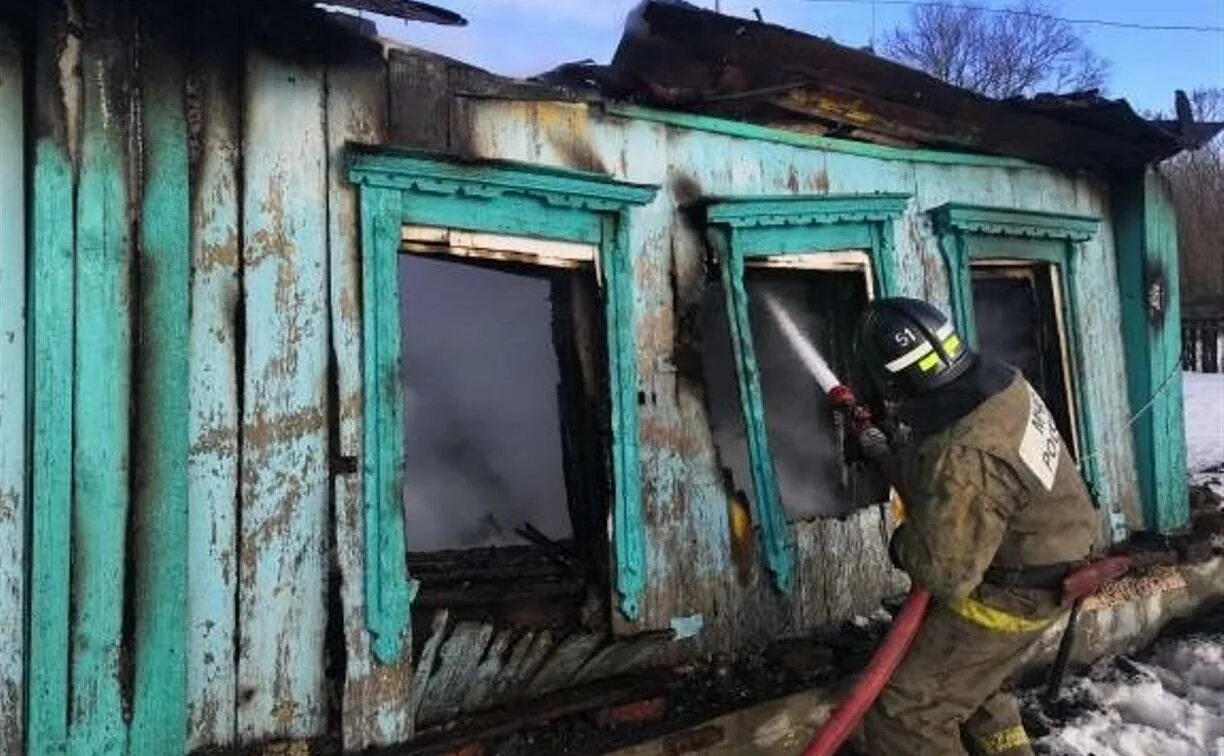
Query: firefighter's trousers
x: 944, y: 698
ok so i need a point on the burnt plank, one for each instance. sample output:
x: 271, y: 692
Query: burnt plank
x: 559, y: 669
x: 52, y: 280
x: 420, y: 99
x: 624, y: 655
x: 285, y: 532
x: 425, y: 663
x: 102, y: 390
x: 457, y: 662
x: 13, y: 461
x: 481, y: 688
x: 159, y: 503
x: 502, y: 682
x: 563, y: 592
x: 214, y: 419
x: 528, y: 654
x: 374, y: 709
x: 486, y: 725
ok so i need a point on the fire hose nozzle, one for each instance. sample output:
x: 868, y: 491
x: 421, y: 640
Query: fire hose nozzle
x: 842, y: 396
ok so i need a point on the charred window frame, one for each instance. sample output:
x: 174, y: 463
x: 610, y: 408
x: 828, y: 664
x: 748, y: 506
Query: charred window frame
x: 754, y: 228
x: 403, y: 188
x: 969, y: 233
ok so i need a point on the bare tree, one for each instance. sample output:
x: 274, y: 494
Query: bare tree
x: 1197, y: 181
x: 999, y: 54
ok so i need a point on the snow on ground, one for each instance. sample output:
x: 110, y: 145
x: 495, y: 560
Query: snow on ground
x: 1204, y: 408
x: 1170, y: 703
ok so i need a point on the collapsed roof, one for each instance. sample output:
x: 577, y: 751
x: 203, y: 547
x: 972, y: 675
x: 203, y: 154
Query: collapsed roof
x: 677, y: 56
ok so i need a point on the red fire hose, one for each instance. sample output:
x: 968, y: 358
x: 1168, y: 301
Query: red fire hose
x: 892, y: 650
x: 900, y: 634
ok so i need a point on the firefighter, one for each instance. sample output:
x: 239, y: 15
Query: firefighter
x: 997, y: 514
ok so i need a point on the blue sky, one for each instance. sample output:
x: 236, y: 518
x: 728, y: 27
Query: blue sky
x: 523, y: 37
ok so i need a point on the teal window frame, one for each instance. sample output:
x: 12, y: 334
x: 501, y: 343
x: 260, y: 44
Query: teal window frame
x: 398, y: 188
x: 746, y: 228
x: 973, y: 232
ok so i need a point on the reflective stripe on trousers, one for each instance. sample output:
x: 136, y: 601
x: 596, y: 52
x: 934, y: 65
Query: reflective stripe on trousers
x: 1004, y: 740
x: 996, y: 619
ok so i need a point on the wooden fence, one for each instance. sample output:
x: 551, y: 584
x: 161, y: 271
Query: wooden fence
x: 1203, y: 344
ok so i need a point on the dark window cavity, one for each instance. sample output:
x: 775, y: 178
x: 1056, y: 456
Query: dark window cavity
x: 1018, y: 322
x: 505, y: 438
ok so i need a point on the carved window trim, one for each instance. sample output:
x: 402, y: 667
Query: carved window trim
x: 402, y: 188
x: 747, y: 228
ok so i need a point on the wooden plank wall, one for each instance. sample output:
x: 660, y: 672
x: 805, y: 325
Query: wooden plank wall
x: 190, y: 399
x: 13, y: 479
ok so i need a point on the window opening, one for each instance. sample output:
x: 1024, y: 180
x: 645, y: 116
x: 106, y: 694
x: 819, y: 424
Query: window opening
x: 1017, y: 307
x: 506, y: 461
x: 825, y: 294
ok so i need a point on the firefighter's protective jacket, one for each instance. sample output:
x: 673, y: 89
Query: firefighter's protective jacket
x: 997, y: 487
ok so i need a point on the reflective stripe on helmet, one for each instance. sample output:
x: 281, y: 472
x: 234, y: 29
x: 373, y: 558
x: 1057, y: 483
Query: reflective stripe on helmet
x: 910, y: 357
x: 929, y: 362
x: 944, y: 331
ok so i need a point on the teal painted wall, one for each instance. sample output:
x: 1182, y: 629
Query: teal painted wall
x: 841, y: 567
x: 195, y: 286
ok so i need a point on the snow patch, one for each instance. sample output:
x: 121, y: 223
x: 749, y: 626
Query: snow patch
x: 1171, y: 703
x: 1204, y: 410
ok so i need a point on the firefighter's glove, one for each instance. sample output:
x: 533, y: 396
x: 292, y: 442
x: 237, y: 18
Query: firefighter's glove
x: 873, y: 443
x: 894, y: 550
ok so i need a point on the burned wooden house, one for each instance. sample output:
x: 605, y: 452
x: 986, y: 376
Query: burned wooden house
x: 347, y: 390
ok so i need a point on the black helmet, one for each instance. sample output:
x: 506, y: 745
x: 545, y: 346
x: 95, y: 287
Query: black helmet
x: 908, y: 347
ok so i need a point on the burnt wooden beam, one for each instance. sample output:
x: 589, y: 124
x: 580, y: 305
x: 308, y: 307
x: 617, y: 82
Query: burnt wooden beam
x: 465, y: 729
x: 498, y: 594
x: 409, y: 10
x: 420, y: 100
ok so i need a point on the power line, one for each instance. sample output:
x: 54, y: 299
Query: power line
x: 1036, y: 14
